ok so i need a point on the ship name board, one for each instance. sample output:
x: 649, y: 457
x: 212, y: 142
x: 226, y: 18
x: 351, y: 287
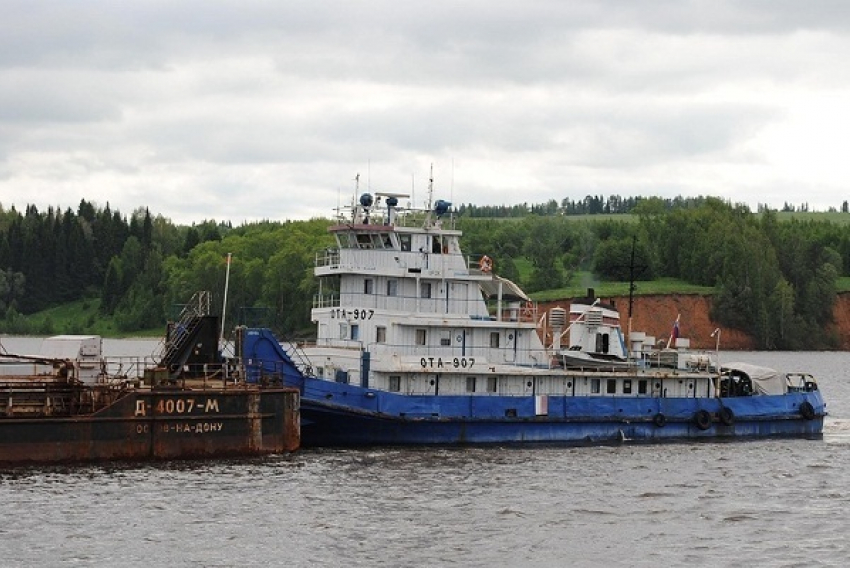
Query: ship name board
x: 352, y: 313
x: 448, y: 362
x: 179, y: 406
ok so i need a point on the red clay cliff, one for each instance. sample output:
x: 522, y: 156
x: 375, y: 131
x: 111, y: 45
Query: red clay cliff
x: 655, y: 314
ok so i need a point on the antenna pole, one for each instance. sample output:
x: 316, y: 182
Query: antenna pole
x: 631, y: 295
x: 431, y: 187
x: 224, y: 306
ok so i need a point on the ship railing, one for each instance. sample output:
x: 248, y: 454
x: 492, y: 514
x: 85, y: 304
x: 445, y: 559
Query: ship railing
x: 482, y: 356
x: 393, y: 258
x: 800, y: 382
x: 408, y: 217
x: 326, y: 300
x: 525, y: 312
x: 124, y: 368
x: 406, y: 304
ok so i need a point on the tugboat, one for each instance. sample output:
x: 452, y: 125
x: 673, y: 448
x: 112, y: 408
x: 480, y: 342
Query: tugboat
x: 190, y: 404
x: 419, y: 343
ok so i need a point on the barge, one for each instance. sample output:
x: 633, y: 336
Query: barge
x: 191, y: 403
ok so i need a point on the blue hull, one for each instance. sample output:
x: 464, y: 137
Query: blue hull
x: 339, y: 414
x: 326, y: 426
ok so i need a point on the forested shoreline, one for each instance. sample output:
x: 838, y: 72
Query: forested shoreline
x: 773, y: 279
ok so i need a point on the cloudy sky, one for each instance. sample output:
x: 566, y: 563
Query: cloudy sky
x: 268, y: 109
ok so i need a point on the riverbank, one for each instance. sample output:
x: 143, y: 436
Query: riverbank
x: 655, y: 314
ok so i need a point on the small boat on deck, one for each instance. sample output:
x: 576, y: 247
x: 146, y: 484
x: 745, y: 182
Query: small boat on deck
x: 420, y: 343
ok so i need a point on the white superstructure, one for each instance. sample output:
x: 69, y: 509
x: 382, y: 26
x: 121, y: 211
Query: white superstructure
x: 401, y: 308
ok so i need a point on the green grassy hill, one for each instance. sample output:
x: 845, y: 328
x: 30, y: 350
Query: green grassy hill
x: 75, y: 318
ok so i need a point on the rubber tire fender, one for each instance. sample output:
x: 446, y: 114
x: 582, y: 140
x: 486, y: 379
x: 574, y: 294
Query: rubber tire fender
x: 807, y: 410
x: 702, y: 419
x: 726, y: 415
x: 659, y: 420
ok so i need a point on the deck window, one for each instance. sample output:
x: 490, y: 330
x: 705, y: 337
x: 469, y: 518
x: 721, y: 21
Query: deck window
x: 368, y: 286
x: 492, y: 383
x: 380, y: 334
x: 470, y: 384
x: 392, y: 287
x: 642, y: 386
x: 594, y: 386
x: 425, y: 289
x: 355, y: 332
x: 494, y: 339
x: 611, y: 386
x: 395, y: 383
x: 627, y: 386
x: 421, y: 336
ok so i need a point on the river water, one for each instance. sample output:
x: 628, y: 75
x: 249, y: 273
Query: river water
x: 757, y: 503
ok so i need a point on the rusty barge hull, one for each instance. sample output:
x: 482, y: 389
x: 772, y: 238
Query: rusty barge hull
x: 159, y: 424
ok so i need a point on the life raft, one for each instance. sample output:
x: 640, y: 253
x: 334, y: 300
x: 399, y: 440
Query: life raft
x: 485, y: 264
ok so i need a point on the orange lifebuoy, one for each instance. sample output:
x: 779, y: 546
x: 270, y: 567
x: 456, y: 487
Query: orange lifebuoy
x: 485, y: 264
x: 527, y: 310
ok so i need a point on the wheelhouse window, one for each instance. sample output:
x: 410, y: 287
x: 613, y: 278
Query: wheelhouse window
x: 346, y: 240
x: 404, y: 241
x: 421, y: 336
x: 380, y: 334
